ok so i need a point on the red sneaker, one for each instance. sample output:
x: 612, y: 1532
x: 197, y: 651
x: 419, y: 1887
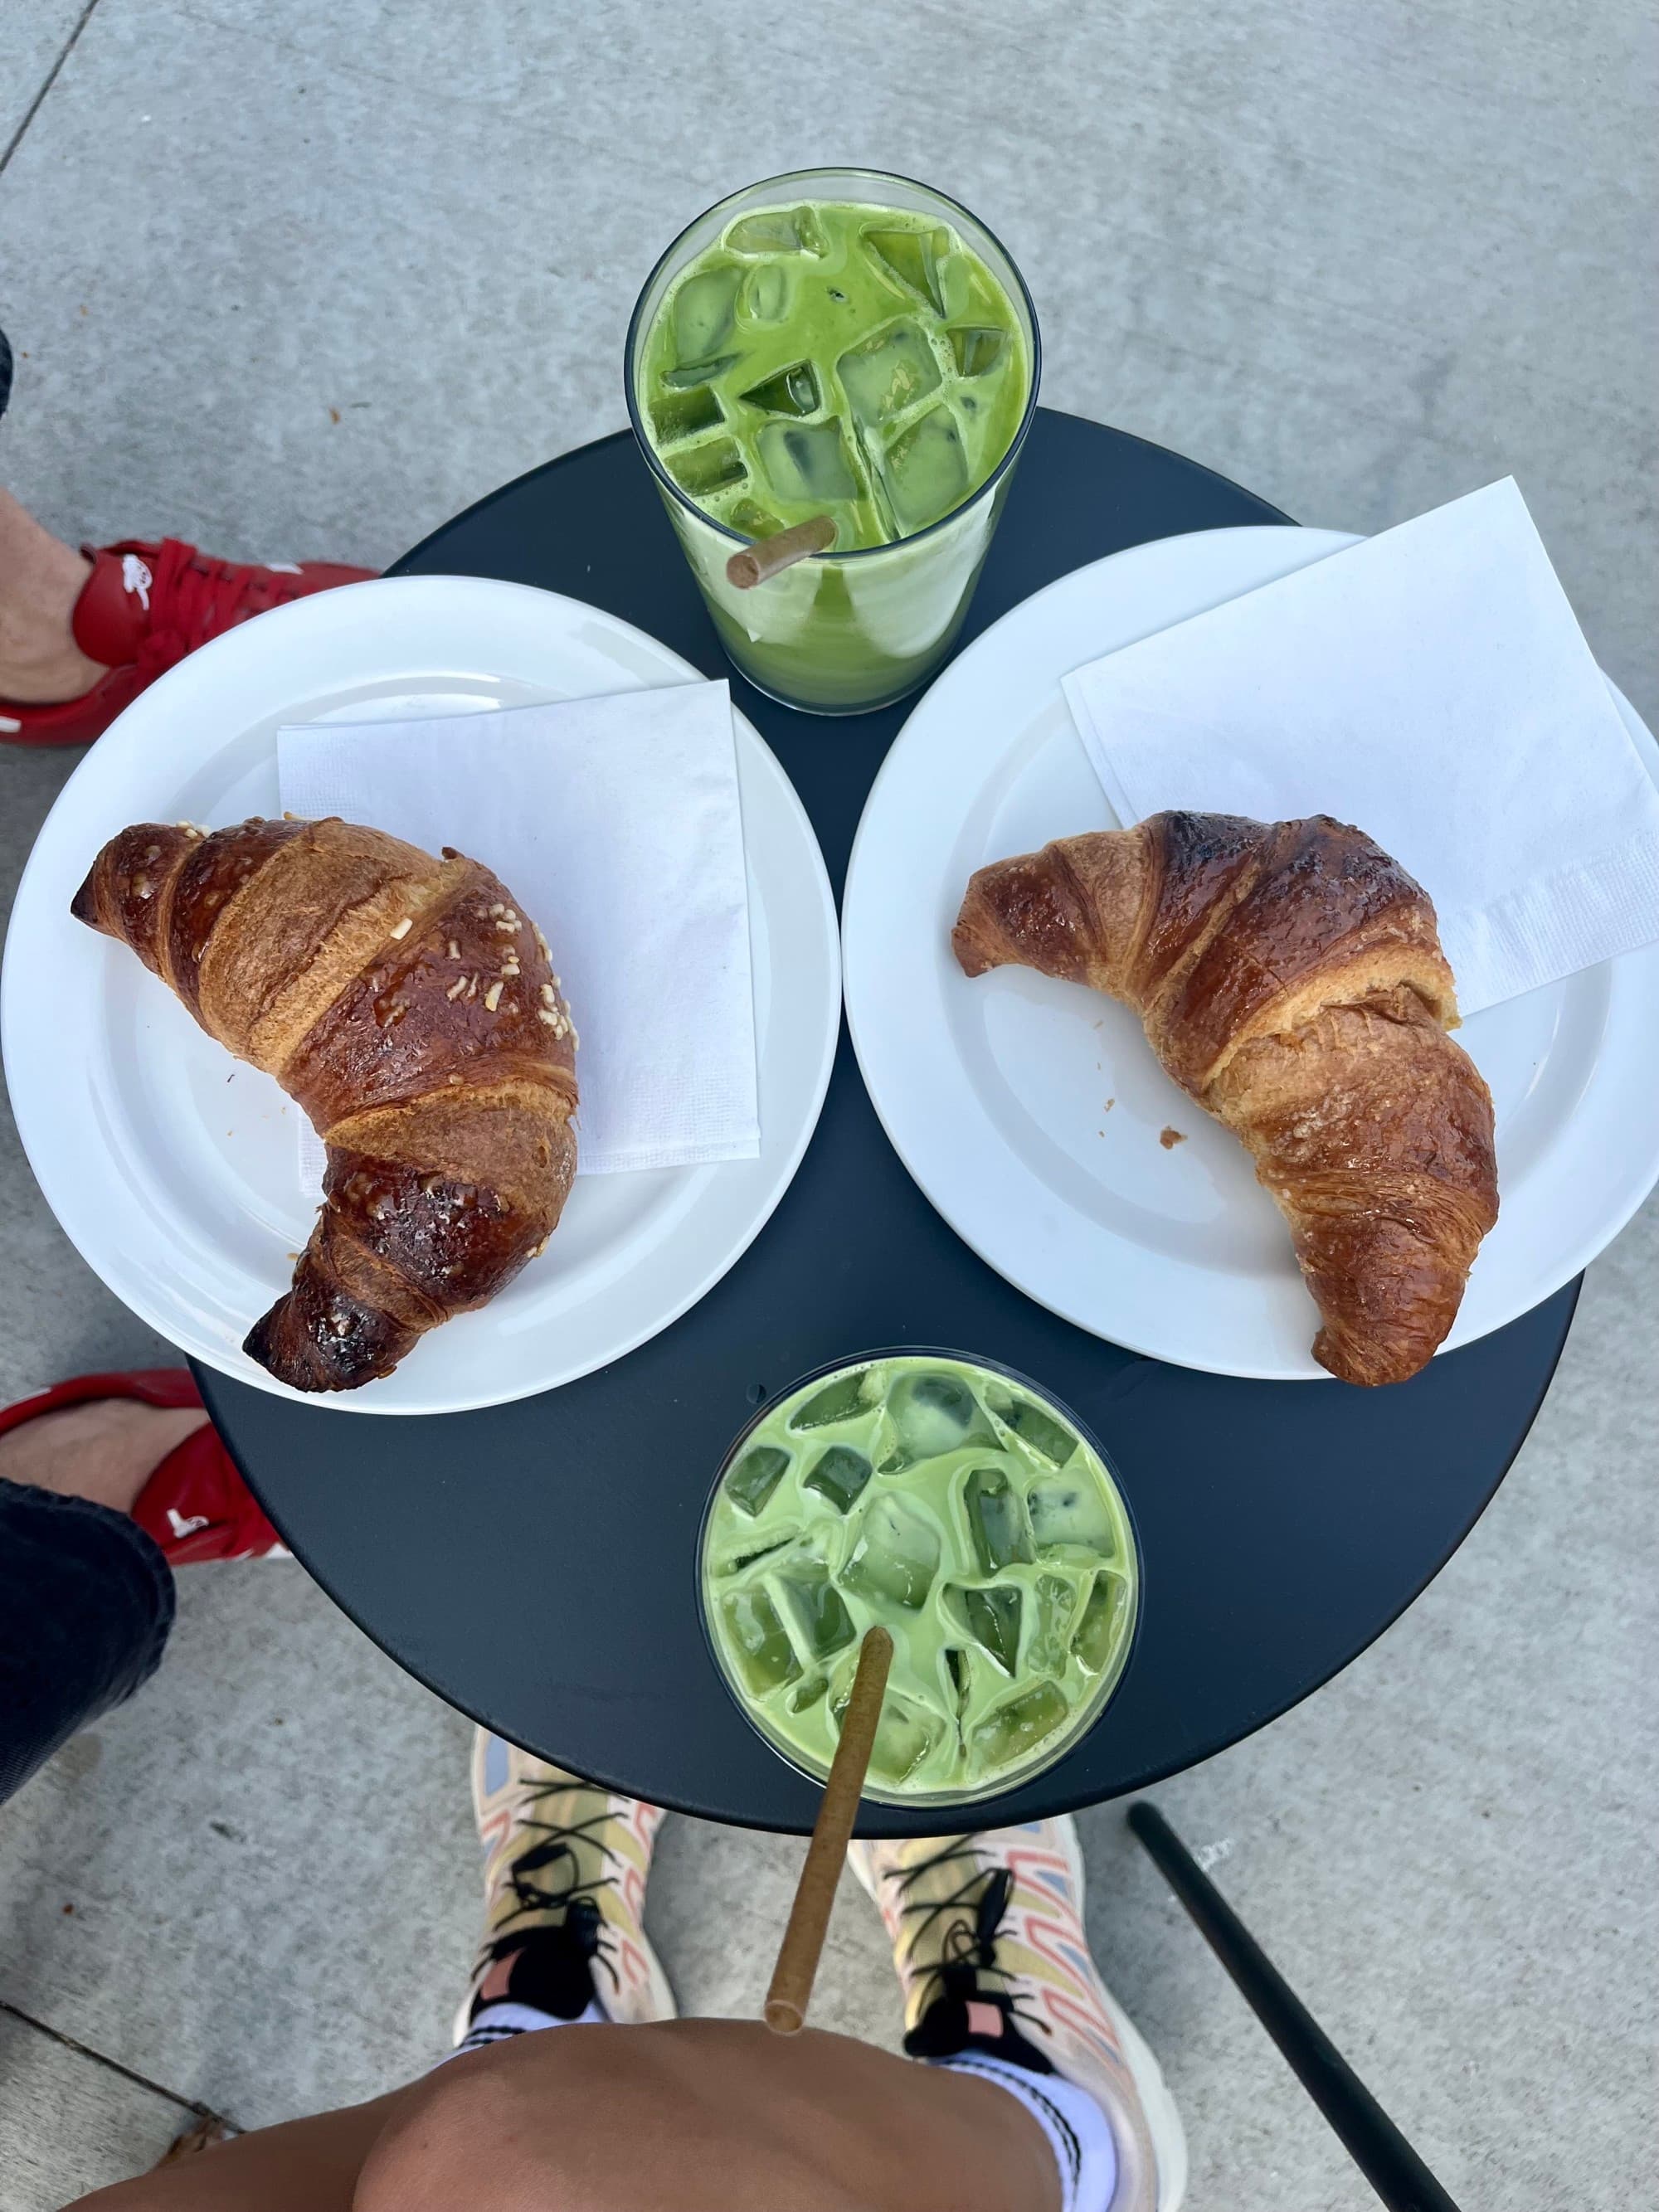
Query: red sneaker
x: 144, y: 607
x: 196, y: 1505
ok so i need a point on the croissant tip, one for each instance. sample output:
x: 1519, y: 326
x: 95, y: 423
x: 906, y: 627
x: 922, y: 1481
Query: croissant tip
x: 260, y: 1344
x: 971, y: 957
x: 293, y: 1343
x: 1379, y: 1372
x: 264, y: 1344
x: 84, y: 905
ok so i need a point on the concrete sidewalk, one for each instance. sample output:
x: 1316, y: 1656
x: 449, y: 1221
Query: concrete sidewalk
x: 307, y: 281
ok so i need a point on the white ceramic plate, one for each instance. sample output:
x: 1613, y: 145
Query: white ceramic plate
x: 180, y: 1188
x: 996, y: 1092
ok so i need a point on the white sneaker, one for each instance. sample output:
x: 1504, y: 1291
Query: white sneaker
x: 988, y: 1942
x: 565, y: 1869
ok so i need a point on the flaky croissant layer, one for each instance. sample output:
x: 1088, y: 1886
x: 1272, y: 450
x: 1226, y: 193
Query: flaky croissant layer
x: 1289, y: 975
x: 411, y: 1010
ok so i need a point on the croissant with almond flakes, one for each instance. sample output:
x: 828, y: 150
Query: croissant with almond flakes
x: 1289, y: 975
x: 412, y: 1012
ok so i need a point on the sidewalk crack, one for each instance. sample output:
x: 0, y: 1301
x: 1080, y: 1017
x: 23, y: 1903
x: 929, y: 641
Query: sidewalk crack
x: 85, y: 2050
x: 52, y: 74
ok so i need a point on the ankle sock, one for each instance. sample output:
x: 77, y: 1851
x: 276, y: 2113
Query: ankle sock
x: 494, y: 2023
x: 1079, y: 2134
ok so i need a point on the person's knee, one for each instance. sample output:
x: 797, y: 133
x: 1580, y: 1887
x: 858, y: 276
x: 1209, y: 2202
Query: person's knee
x: 710, y: 2115
x: 522, y: 2127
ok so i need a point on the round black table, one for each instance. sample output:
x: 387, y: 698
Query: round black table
x: 1282, y: 1526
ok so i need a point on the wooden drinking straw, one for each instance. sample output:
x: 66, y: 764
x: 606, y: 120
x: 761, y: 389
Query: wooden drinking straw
x: 809, y: 1917
x: 771, y: 555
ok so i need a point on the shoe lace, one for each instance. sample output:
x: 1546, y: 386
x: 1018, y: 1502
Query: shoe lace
x: 193, y: 597
x: 972, y: 1915
x: 569, y: 1903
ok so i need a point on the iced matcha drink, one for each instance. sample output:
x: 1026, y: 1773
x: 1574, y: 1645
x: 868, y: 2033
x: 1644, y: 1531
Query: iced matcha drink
x: 959, y: 1507
x: 845, y: 344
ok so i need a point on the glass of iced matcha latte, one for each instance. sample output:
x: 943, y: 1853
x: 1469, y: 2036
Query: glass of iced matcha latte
x: 846, y: 345
x: 963, y: 1507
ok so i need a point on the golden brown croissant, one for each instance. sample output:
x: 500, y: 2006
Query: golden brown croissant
x: 1289, y: 975
x: 412, y: 1012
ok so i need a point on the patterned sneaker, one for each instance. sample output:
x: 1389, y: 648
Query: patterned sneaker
x: 565, y: 1868
x: 988, y: 1941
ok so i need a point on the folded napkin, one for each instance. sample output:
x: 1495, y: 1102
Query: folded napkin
x: 616, y: 824
x: 1432, y: 686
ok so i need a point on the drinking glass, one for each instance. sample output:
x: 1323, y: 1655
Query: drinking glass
x: 839, y: 633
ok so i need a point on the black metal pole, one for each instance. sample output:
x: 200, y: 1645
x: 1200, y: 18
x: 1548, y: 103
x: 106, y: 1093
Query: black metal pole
x: 1370, y: 2136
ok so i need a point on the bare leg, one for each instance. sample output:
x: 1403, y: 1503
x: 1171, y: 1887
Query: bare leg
x: 708, y: 2116
x: 41, y: 580
x: 704, y: 2115
x: 304, y: 2166
x: 106, y: 1449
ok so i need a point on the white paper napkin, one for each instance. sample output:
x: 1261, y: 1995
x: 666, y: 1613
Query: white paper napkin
x: 616, y: 824
x: 1433, y: 686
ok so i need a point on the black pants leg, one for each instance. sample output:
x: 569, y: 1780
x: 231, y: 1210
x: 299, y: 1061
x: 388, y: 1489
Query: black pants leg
x: 86, y: 1603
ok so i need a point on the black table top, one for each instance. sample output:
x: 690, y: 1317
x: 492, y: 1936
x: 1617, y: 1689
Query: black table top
x: 1283, y: 1526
